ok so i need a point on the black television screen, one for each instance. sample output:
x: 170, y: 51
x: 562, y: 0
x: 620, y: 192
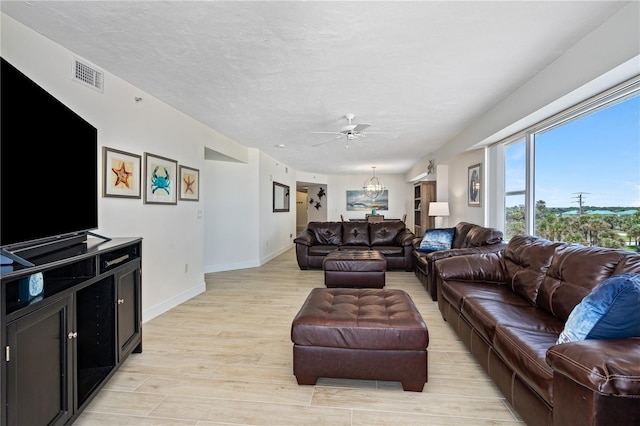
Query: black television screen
x: 48, y: 165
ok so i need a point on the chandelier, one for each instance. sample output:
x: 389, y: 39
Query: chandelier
x: 373, y: 186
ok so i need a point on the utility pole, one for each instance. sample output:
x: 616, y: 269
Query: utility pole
x: 580, y: 201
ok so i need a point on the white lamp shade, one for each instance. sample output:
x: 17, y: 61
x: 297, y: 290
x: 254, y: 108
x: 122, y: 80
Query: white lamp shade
x: 439, y: 208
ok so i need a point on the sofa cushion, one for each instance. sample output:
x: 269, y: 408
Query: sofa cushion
x: 480, y: 236
x: 437, y: 239
x: 524, y: 351
x: 384, y: 233
x: 527, y: 260
x: 327, y: 232
x: 575, y: 271
x: 610, y: 311
x: 462, y: 228
x: 355, y: 233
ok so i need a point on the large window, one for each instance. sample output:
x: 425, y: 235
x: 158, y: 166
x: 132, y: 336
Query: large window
x: 576, y: 177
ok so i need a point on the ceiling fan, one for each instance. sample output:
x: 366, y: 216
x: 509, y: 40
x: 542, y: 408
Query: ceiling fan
x: 349, y: 132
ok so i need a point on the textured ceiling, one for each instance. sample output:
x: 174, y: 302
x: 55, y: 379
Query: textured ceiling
x: 268, y: 73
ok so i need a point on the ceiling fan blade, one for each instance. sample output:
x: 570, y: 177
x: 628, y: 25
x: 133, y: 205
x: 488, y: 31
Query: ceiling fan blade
x: 327, y: 133
x: 360, y: 127
x: 330, y: 140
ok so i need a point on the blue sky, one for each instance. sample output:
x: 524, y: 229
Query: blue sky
x: 597, y: 155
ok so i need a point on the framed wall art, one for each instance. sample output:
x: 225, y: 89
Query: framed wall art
x: 357, y: 200
x: 121, y: 174
x: 474, y: 180
x: 189, y: 183
x: 160, y: 180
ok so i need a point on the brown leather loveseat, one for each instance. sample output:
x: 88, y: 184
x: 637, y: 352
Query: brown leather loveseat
x: 391, y: 238
x: 467, y: 239
x: 510, y: 307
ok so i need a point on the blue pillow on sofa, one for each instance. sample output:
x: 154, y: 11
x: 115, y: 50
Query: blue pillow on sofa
x: 610, y: 311
x: 437, y: 239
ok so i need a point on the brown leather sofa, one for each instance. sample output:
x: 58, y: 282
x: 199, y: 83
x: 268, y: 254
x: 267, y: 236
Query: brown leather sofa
x: 391, y: 238
x: 509, y: 307
x: 468, y: 238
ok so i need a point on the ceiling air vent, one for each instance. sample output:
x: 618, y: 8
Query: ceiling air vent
x: 87, y: 75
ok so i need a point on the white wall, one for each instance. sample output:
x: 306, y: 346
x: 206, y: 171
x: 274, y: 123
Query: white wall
x: 459, y: 210
x: 400, y: 196
x: 173, y: 235
x: 316, y: 211
x: 276, y: 229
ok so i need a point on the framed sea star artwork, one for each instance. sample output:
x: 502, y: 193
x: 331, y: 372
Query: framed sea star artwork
x: 161, y: 180
x: 189, y: 183
x: 121, y: 177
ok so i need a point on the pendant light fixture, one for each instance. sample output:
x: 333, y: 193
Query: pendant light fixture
x: 373, y: 187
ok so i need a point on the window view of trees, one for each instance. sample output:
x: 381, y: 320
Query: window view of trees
x: 613, y: 228
x: 585, y: 178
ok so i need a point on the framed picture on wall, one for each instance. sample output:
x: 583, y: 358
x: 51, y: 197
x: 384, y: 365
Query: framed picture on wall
x: 357, y: 200
x: 189, y: 183
x: 474, y: 179
x: 121, y: 174
x: 160, y: 180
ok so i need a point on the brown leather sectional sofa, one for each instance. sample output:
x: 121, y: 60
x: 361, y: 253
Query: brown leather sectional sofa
x: 391, y: 238
x: 509, y: 307
x: 468, y: 239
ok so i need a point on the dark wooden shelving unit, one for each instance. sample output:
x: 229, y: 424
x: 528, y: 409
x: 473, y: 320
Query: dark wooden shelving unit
x: 61, y: 346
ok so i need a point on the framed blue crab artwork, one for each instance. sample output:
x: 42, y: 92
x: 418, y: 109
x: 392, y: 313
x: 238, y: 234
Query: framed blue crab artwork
x: 160, y: 177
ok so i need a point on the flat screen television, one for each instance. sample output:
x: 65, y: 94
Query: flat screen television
x: 48, y: 166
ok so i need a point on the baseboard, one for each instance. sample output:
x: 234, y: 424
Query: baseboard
x: 246, y: 264
x: 163, y: 307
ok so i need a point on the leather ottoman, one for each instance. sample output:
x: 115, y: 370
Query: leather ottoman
x: 354, y: 268
x: 355, y: 333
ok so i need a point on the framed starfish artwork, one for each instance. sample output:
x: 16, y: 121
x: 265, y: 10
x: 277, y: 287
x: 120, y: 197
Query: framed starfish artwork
x: 121, y: 177
x: 160, y: 180
x: 189, y: 183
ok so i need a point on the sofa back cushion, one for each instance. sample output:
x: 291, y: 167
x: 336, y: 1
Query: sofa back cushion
x: 384, y: 233
x: 355, y: 233
x: 527, y: 260
x: 327, y: 233
x: 576, y: 270
x: 462, y: 229
x: 480, y: 236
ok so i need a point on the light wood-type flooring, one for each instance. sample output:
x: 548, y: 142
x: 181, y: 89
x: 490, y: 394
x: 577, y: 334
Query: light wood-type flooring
x: 225, y: 357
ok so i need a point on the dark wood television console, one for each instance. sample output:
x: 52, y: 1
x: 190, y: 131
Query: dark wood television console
x: 61, y: 346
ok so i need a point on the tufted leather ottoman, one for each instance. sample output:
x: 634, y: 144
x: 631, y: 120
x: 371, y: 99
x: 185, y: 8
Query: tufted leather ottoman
x: 356, y: 333
x: 354, y: 268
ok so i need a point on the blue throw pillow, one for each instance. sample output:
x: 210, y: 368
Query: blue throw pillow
x: 437, y: 239
x: 610, y: 311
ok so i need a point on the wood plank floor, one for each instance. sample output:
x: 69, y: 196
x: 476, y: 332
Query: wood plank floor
x: 225, y: 357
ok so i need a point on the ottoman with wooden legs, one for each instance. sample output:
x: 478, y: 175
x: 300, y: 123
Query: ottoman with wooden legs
x: 358, y: 333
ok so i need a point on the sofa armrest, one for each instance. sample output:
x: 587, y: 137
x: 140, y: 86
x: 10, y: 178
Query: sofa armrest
x: 607, y: 366
x: 596, y: 382
x: 416, y: 242
x: 306, y: 238
x: 405, y: 238
x: 487, y: 266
